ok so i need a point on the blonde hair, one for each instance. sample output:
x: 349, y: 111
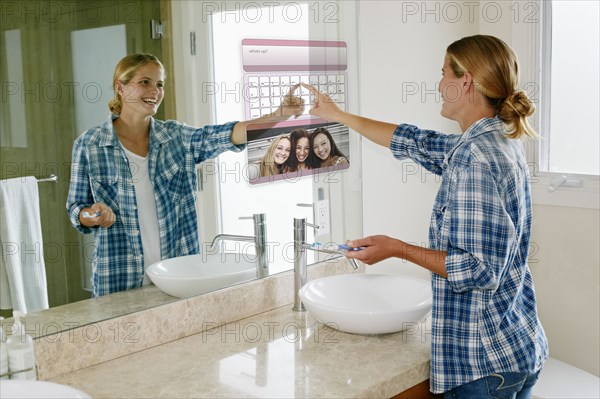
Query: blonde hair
x: 124, y: 72
x: 495, y: 70
x: 268, y: 167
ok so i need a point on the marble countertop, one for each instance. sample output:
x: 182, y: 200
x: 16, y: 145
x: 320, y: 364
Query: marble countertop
x: 93, y: 310
x: 276, y: 354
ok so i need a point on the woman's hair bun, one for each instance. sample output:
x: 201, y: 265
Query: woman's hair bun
x: 514, y: 111
x: 520, y: 103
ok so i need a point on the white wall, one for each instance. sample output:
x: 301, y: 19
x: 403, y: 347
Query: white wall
x: 564, y: 262
x: 402, y: 47
x: 401, y: 60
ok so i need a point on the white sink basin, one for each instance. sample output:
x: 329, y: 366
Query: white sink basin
x: 368, y: 303
x: 191, y: 275
x: 38, y: 389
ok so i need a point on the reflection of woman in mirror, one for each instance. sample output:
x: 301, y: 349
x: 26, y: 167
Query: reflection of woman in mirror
x: 324, y: 151
x: 277, y: 153
x: 300, y: 151
x: 133, y: 177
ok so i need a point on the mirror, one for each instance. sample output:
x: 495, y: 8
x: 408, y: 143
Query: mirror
x: 223, y: 88
x: 52, y: 55
x: 48, y: 92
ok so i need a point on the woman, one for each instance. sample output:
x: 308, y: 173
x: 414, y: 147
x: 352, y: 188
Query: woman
x: 324, y: 151
x: 133, y: 177
x: 487, y: 339
x: 276, y: 156
x: 300, y: 150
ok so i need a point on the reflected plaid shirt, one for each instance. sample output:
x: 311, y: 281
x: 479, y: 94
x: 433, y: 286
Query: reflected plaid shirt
x: 100, y: 173
x: 484, y: 316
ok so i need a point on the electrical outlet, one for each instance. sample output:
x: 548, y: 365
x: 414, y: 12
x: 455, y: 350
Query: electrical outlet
x: 322, y: 217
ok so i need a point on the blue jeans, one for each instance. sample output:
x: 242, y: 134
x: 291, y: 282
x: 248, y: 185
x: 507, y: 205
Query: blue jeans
x: 496, y: 386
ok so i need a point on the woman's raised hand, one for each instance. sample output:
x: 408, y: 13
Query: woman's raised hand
x: 292, y: 105
x: 323, y: 106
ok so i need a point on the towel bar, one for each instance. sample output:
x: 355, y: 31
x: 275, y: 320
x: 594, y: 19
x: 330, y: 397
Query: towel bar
x: 52, y: 178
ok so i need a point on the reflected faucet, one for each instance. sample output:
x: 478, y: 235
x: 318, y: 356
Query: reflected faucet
x: 300, y: 270
x: 259, y: 239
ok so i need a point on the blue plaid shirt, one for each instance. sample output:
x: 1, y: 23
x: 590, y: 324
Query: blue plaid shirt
x: 100, y: 173
x: 484, y: 316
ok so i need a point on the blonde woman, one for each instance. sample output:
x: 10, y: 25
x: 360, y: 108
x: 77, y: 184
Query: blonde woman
x: 486, y: 338
x: 133, y: 177
x: 276, y: 156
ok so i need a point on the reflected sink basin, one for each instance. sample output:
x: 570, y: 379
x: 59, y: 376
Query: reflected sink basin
x: 192, y: 275
x: 367, y: 303
x: 38, y: 389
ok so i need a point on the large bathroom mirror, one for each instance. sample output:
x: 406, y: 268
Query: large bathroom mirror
x: 277, y: 45
x: 57, y: 60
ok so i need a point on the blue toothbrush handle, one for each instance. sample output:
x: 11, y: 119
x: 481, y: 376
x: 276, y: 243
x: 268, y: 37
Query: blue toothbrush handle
x: 348, y: 248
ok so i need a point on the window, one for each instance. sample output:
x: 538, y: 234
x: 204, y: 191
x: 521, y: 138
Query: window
x: 570, y: 88
x: 558, y: 51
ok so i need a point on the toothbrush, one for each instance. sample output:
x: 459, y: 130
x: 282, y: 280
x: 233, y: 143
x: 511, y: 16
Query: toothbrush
x: 88, y: 215
x: 341, y: 247
x: 345, y: 247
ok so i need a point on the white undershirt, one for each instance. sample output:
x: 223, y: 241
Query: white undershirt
x: 146, y: 208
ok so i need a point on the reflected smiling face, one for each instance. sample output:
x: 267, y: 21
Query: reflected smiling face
x: 282, y: 151
x: 145, y: 91
x: 302, y: 148
x: 322, y: 146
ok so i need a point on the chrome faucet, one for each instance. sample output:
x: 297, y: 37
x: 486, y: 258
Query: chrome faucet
x: 259, y: 239
x: 300, y: 270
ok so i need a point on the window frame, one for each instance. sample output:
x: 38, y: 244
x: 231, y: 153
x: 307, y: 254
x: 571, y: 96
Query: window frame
x: 531, y: 42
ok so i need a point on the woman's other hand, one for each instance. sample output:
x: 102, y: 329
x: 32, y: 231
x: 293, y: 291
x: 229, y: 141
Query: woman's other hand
x: 376, y: 248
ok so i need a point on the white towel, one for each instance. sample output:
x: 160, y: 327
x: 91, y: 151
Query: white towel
x: 22, y: 270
